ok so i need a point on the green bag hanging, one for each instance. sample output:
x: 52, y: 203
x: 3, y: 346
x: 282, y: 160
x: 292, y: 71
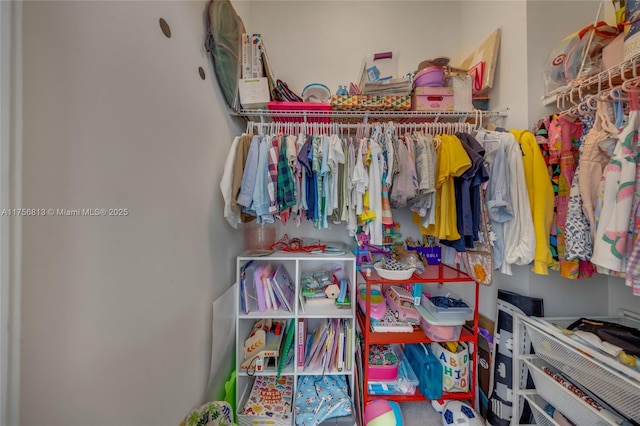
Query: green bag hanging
x: 224, y: 43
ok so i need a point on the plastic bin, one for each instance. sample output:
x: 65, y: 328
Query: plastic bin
x: 462, y: 314
x: 439, y: 330
x: 296, y: 111
x: 427, y: 367
x: 384, y: 362
x: 405, y: 383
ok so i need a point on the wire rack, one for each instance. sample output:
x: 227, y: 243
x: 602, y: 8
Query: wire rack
x: 615, y: 383
x: 570, y: 95
x: 475, y: 116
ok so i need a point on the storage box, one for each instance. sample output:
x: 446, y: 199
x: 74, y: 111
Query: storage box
x: 405, y: 383
x: 370, y: 103
x: 432, y: 99
x: 254, y: 92
x: 383, y: 362
x: 291, y: 107
x: 454, y: 313
x: 427, y: 367
x: 439, y: 330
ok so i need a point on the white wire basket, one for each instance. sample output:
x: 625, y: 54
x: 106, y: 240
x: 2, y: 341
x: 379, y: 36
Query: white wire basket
x: 388, y: 274
x: 613, y: 382
x: 574, y: 408
x: 537, y: 405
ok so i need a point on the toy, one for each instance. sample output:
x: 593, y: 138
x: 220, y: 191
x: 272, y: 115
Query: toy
x: 381, y: 412
x: 263, y: 342
x: 376, y: 301
x: 363, y: 250
x: 400, y: 302
x: 459, y: 413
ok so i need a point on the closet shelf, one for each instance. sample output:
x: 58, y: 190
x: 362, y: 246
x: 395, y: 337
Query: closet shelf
x: 263, y: 115
x: 567, y: 96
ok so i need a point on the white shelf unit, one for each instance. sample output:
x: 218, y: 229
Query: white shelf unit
x: 613, y: 383
x: 295, y: 264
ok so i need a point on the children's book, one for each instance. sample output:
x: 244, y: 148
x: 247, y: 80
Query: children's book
x: 318, y: 346
x: 270, y: 396
x: 244, y: 298
x: 302, y: 341
x: 389, y: 323
x: 260, y: 274
x: 288, y: 341
x: 283, y: 288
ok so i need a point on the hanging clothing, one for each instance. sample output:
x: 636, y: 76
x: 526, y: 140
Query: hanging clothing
x: 497, y: 197
x: 578, y: 243
x: 594, y: 158
x: 564, y: 136
x: 231, y: 214
x: 540, y: 193
x: 374, y: 227
x: 451, y: 161
x: 610, y: 246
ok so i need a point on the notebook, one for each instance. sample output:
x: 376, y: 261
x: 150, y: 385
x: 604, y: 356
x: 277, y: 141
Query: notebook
x: 389, y: 323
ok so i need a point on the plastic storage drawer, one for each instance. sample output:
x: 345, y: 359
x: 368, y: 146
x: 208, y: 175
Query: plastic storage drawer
x: 404, y: 384
x: 443, y: 313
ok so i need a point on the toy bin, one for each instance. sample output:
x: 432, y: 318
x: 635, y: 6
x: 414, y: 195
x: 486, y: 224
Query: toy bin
x: 405, y: 383
x: 442, y: 313
x: 427, y: 367
x: 383, y: 362
x: 296, y: 111
x: 439, y: 330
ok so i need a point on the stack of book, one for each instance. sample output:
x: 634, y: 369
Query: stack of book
x: 327, y: 349
x: 273, y: 289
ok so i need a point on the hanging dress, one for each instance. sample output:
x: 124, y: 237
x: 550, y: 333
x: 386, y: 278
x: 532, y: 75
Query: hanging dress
x: 610, y: 246
x: 578, y: 243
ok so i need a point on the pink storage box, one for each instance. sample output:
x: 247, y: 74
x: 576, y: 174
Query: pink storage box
x: 432, y: 99
x: 439, y: 330
x: 302, y: 107
x: 383, y: 363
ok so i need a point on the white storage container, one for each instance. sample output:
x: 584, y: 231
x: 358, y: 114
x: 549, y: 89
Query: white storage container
x: 439, y: 330
x: 441, y: 313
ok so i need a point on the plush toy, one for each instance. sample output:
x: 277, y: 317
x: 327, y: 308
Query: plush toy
x: 381, y: 412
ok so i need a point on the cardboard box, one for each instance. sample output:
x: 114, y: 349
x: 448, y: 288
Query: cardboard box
x: 613, y: 53
x: 432, y: 99
x: 254, y: 93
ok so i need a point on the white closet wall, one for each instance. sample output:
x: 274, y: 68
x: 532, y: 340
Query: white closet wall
x: 116, y: 314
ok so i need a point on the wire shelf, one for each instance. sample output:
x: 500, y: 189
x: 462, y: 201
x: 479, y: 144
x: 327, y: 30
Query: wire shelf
x: 263, y: 115
x: 570, y: 95
x: 616, y: 384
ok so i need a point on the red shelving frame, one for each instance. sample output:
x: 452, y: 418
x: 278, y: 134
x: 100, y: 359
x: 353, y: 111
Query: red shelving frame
x: 440, y: 274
